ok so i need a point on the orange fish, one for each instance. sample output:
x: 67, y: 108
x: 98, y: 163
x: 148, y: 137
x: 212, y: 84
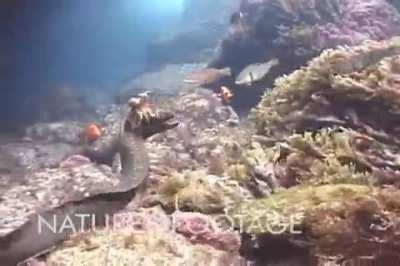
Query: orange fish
x: 92, y: 132
x: 207, y: 76
x: 226, y: 94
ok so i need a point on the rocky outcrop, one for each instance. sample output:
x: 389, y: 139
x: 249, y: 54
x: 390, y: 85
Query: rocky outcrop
x: 300, y: 29
x: 196, y: 34
x: 60, y: 132
x: 334, y: 125
x: 294, y: 32
x: 166, y: 81
x: 351, y: 220
x: 76, y: 178
x: 143, y: 237
x: 351, y: 87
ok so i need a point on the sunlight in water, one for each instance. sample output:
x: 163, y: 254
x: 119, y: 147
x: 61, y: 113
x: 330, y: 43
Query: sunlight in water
x: 157, y: 7
x: 169, y: 6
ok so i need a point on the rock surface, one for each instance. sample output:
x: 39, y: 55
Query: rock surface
x: 340, y: 165
x: 294, y: 32
x: 165, y: 81
x: 320, y: 152
x: 76, y: 177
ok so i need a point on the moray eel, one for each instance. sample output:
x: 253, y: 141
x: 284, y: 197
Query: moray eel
x: 32, y: 238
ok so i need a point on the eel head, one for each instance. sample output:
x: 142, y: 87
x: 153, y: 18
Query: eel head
x: 155, y: 123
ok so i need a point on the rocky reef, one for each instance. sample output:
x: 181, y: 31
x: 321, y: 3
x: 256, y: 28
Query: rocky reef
x: 194, y: 37
x: 311, y: 177
x: 206, y: 125
x: 150, y: 237
x: 334, y: 122
x: 351, y: 87
x: 296, y: 31
x: 346, y: 221
x: 303, y: 28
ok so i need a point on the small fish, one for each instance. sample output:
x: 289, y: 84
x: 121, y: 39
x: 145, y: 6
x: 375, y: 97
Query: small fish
x: 208, y: 76
x: 91, y: 133
x: 255, y: 72
x: 225, y: 94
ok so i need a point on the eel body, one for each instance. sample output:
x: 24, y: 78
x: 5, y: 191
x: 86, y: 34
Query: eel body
x: 35, y: 237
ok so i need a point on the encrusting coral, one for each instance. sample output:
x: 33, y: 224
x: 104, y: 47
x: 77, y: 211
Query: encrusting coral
x: 147, y: 239
x: 334, y: 126
x: 327, y: 157
x: 198, y: 191
x: 350, y: 220
x: 331, y: 156
x: 295, y: 31
x: 326, y: 24
x: 232, y: 171
x: 352, y: 87
x: 323, y: 156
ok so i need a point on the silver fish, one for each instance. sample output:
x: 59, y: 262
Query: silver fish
x: 255, y: 72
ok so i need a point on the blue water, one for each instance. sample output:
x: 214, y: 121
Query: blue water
x: 92, y: 41
x: 95, y: 44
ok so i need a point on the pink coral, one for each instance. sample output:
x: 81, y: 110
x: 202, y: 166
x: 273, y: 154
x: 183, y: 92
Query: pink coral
x: 143, y: 219
x: 74, y: 161
x: 359, y: 20
x: 201, y: 228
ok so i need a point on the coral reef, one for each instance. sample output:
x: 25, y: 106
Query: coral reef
x: 334, y: 128
x: 157, y: 246
x: 313, y: 173
x: 76, y: 177
x: 65, y: 132
x: 200, y: 228
x: 294, y: 32
x: 322, y: 155
x: 326, y: 24
x: 213, y: 195
x: 171, y: 76
x: 49, y: 188
x: 350, y: 220
x: 352, y: 87
x: 331, y: 156
x: 303, y: 28
x: 194, y: 37
x: 29, y: 156
x: 358, y: 21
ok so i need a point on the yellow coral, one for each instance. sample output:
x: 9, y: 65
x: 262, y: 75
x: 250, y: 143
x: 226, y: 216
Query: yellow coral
x: 334, y: 72
x: 297, y: 201
x: 197, y: 191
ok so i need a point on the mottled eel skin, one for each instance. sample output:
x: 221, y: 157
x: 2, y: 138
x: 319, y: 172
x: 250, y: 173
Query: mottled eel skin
x: 28, y: 241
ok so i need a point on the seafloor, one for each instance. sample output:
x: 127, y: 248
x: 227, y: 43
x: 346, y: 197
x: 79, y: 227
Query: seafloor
x: 309, y: 177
